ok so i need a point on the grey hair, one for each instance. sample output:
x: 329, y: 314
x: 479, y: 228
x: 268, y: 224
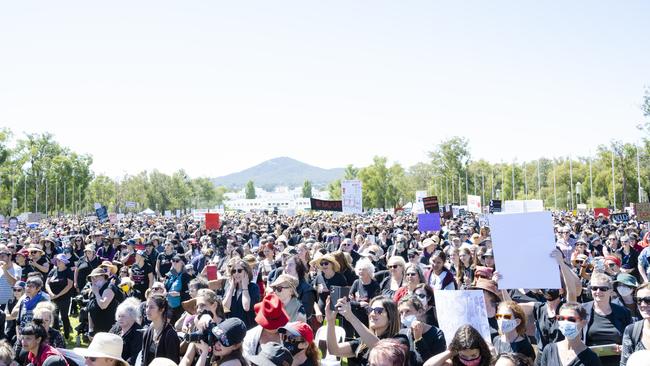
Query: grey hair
x: 365, y: 263
x: 130, y: 307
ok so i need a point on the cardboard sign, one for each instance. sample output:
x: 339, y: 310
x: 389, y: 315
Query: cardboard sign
x: 495, y: 206
x: 474, y: 203
x: 457, y: 308
x: 102, y: 213
x: 431, y: 204
x: 212, y: 221
x: 168, y: 213
x: 620, y: 217
x: 324, y: 205
x: 418, y: 206
x: 601, y: 210
x: 429, y: 222
x: 536, y: 229
x: 521, y: 206
x: 642, y: 211
x: 352, y: 196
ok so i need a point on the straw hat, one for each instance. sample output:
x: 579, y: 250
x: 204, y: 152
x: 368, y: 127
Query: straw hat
x: 104, y: 345
x: 326, y: 257
x: 110, y: 266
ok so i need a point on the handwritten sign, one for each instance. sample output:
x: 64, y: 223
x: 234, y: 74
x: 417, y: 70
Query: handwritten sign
x: 352, y: 196
x: 457, y: 308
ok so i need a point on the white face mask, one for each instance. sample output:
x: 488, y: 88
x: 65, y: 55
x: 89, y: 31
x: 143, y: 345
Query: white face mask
x: 408, y: 320
x: 507, y: 326
x: 624, y: 291
x: 569, y: 329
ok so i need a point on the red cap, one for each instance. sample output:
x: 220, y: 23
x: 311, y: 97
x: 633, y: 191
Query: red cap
x: 613, y: 259
x: 299, y: 329
x: 270, y: 312
x: 23, y: 252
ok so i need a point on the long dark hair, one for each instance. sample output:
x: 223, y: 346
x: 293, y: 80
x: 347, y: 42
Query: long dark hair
x: 36, y: 329
x: 163, y: 305
x: 467, y: 337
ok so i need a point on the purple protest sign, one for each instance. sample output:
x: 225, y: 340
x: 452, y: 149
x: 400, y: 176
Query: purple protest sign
x: 429, y: 222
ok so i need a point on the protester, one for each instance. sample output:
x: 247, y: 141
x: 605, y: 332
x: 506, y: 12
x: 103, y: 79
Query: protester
x: 298, y: 339
x: 44, y: 315
x: 241, y: 295
x: 388, y: 352
x: 160, y: 338
x: 425, y: 339
x: 466, y: 348
x: 34, y: 340
x: 512, y: 329
x: 127, y: 326
x: 104, y: 350
x: 270, y: 317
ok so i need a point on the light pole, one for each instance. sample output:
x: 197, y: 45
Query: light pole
x: 579, y: 191
x: 568, y: 201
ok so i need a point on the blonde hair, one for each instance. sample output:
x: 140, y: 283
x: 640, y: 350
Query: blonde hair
x: 7, y: 354
x: 45, y: 307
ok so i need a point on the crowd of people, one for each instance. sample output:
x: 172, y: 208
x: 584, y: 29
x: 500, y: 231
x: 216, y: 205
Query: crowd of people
x: 311, y: 289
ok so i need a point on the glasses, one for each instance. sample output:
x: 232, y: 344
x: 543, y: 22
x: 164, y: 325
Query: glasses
x: 611, y: 265
x: 156, y: 288
x: 176, y: 260
x: 18, y: 290
x: 411, y: 274
x: 643, y: 300
x: 600, y: 288
x: 377, y: 311
x: 503, y: 316
x: 277, y: 288
x: 394, y: 266
x: 324, y: 263
x: 421, y: 296
x: 571, y: 319
x: 236, y: 270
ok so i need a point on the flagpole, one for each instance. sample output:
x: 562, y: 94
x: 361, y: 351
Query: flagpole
x: 613, y: 180
x: 539, y: 184
x: 591, y: 183
x: 554, y: 187
x: 513, y: 180
x: 571, y: 179
x: 638, y: 172
x: 525, y: 181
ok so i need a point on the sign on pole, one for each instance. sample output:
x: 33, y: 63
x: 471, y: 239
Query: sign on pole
x: 352, y: 196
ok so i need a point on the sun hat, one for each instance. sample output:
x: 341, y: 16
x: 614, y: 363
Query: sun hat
x: 62, y: 258
x: 96, y: 273
x: 327, y: 257
x: 104, y: 345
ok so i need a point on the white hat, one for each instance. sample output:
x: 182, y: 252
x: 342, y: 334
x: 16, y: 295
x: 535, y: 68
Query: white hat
x: 161, y: 361
x: 104, y: 345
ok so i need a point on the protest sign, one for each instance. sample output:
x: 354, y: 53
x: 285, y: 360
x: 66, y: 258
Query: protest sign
x: 582, y: 207
x: 102, y: 213
x: 521, y: 206
x: 168, y: 213
x: 431, y: 204
x: 429, y: 222
x: 418, y: 206
x: 620, y: 217
x: 447, y: 212
x: 130, y: 204
x: 601, y: 210
x: 324, y: 205
x: 112, y: 218
x: 178, y: 213
x: 352, y: 196
x: 483, y: 220
x: 642, y: 211
x: 457, y: 308
x: 495, y: 206
x: 212, y: 221
x: 517, y: 239
x: 474, y: 204
x: 13, y: 223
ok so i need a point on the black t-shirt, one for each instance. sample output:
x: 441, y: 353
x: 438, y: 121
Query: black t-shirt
x: 523, y: 346
x: 551, y: 356
x: 547, y: 328
x: 140, y: 276
x: 362, y: 291
x: 165, y: 262
x: 629, y: 261
x: 336, y: 280
x: 84, y: 267
x: 602, y: 331
x: 41, y: 262
x: 58, y: 280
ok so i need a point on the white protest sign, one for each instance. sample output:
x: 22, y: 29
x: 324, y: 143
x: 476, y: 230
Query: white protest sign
x: 168, y: 213
x: 130, y: 204
x: 352, y: 196
x: 474, y: 204
x: 418, y: 207
x: 178, y: 213
x: 457, y: 308
x: 520, y: 206
x: 112, y: 218
x: 524, y: 238
x: 97, y: 205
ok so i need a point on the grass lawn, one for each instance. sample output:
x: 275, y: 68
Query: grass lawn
x: 72, y: 342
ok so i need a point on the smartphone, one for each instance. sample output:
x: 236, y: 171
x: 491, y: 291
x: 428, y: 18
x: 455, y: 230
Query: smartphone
x: 338, y: 292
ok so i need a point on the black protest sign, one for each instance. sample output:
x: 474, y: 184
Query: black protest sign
x: 431, y: 204
x: 495, y: 206
x: 324, y: 205
x: 620, y: 217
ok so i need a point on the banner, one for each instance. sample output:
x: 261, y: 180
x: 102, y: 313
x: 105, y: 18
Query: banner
x: 474, y: 204
x: 642, y: 211
x: 601, y: 210
x: 431, y: 204
x: 324, y: 205
x: 507, y: 231
x: 495, y: 206
x: 620, y: 217
x: 429, y: 222
x: 212, y: 221
x: 457, y: 308
x: 352, y: 196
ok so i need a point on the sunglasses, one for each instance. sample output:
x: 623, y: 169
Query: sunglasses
x: 643, y: 300
x: 571, y: 319
x: 394, y: 266
x: 600, y: 288
x: 156, y: 288
x: 277, y: 288
x: 421, y: 296
x: 238, y: 270
x: 503, y: 316
x: 18, y: 290
x: 411, y: 274
x: 377, y: 311
x: 412, y: 255
x: 324, y: 263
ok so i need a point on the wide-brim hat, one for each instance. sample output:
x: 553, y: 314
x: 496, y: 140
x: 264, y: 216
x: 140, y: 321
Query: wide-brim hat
x: 429, y: 242
x: 627, y: 280
x: 104, y: 345
x: 35, y: 248
x: 98, y: 233
x: 97, y: 272
x: 328, y: 257
x: 110, y: 266
x: 270, y: 313
x: 487, y: 285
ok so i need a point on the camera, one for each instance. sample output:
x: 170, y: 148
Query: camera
x: 206, y: 335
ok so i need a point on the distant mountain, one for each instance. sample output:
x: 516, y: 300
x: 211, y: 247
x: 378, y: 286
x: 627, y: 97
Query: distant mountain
x: 281, y: 171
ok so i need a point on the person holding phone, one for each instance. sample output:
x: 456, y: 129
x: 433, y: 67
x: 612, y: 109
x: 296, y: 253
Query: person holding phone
x: 240, y: 293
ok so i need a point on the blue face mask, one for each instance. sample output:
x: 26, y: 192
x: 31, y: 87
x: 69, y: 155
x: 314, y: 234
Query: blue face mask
x: 568, y: 329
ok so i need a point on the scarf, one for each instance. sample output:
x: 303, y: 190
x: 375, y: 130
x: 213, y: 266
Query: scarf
x: 30, y: 304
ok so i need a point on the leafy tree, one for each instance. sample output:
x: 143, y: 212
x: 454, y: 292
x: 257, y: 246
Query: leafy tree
x: 350, y: 172
x: 334, y: 189
x: 306, y: 189
x: 250, y: 190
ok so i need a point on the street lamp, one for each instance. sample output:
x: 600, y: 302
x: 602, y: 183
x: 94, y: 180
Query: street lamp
x: 579, y: 191
x: 498, y: 193
x: 568, y: 200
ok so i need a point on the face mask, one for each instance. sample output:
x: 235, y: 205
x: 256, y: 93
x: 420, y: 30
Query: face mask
x: 624, y: 291
x: 474, y: 362
x: 507, y: 326
x: 568, y: 329
x: 408, y: 320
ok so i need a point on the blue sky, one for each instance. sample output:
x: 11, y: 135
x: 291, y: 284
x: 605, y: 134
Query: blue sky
x: 215, y: 87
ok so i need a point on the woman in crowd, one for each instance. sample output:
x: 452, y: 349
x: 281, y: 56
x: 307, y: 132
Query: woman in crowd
x: 269, y: 317
x: 466, y: 348
x: 327, y: 277
x: 306, y: 293
x: 44, y: 315
x: 104, y: 301
x: 388, y: 352
x: 33, y: 338
x: 572, y: 319
x: 227, y: 351
x: 160, y: 339
x: 439, y: 277
x: 59, y: 286
x: 383, y: 322
x: 285, y: 287
x: 513, y: 359
x: 391, y: 283
x: 413, y: 276
x: 465, y: 272
x: 512, y: 330
x: 209, y: 311
x: 164, y: 260
x: 298, y: 339
x: 176, y: 286
x: 425, y: 340
x: 345, y: 264
x: 127, y: 326
x: 636, y: 336
x: 240, y: 293
x: 141, y: 273
x: 363, y: 289
x: 104, y: 350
